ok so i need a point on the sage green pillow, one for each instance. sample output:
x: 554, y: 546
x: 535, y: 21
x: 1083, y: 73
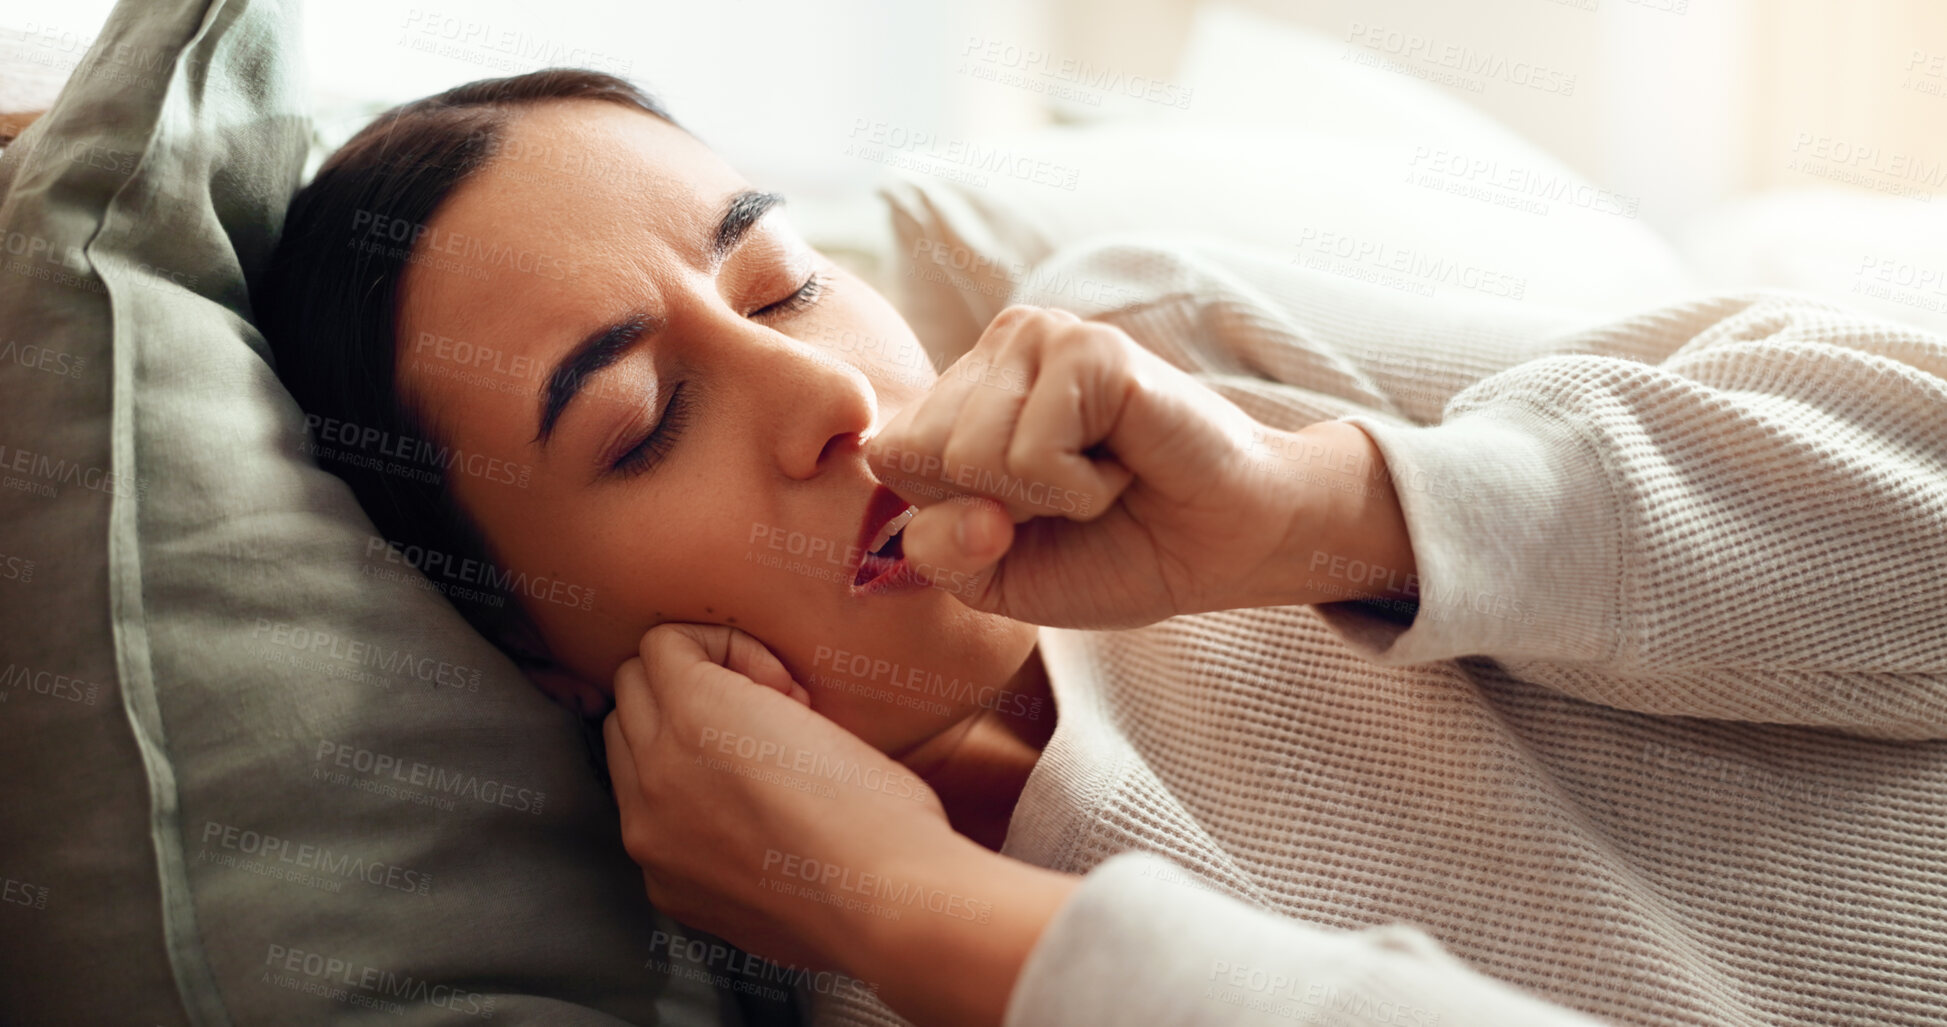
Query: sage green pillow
x: 251, y: 770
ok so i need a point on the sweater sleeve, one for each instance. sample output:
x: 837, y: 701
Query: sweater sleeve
x: 1732, y: 508
x: 1138, y: 943
x: 1753, y: 527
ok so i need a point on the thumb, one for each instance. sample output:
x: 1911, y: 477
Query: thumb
x: 754, y: 660
x: 953, y: 542
x: 671, y: 647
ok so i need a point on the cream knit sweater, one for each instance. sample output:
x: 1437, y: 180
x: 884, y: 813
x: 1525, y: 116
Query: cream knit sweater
x: 1660, y: 744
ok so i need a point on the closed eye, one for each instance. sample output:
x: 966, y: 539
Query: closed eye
x: 656, y: 445
x: 807, y: 296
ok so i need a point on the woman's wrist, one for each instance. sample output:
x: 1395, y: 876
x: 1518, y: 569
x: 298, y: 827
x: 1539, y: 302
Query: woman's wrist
x: 1346, y: 537
x: 942, y: 934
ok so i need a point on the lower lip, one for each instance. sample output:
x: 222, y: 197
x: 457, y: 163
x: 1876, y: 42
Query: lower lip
x: 892, y: 576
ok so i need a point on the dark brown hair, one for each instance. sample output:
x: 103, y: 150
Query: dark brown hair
x: 328, y: 305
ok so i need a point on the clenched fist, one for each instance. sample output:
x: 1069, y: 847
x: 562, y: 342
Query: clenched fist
x: 1067, y: 476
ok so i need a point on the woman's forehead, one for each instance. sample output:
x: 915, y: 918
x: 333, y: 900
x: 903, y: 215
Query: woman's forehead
x: 577, y: 197
x: 584, y: 206
x: 574, y: 167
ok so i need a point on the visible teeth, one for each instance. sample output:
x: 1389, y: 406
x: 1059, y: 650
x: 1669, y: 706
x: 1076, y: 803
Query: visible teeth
x: 893, y: 527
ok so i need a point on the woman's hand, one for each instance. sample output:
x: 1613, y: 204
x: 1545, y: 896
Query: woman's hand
x: 1067, y: 476
x: 760, y: 821
x: 730, y: 786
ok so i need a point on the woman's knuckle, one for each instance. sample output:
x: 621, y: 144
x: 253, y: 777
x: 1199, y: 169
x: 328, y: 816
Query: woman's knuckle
x: 1026, y: 466
x: 666, y: 899
x: 639, y: 841
x: 1105, y: 337
x: 1065, y: 338
x: 653, y: 641
x: 1004, y: 325
x: 961, y: 451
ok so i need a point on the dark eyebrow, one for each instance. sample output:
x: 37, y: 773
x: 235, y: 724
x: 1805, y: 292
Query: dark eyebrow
x: 607, y: 344
x: 744, y: 210
x: 602, y: 347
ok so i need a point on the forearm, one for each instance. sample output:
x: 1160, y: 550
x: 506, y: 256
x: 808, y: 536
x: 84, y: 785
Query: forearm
x: 950, y: 957
x: 1346, y: 537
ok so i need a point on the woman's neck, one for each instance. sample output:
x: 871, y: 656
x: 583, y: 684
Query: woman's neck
x: 979, y: 766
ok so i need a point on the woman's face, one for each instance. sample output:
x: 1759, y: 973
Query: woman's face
x: 610, y: 312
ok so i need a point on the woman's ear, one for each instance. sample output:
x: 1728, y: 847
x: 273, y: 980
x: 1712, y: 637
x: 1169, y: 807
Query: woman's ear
x: 569, y: 690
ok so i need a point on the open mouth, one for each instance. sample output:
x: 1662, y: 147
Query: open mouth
x: 881, y: 554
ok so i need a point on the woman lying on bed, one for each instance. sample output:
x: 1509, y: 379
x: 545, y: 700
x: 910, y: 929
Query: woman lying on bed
x: 1608, y: 659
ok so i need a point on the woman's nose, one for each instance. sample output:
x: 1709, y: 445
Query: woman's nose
x: 814, y: 404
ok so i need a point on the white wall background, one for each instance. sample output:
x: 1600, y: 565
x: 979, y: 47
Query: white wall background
x: 1685, y: 103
